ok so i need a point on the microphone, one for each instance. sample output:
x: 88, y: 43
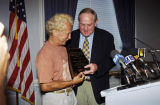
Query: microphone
x: 145, y: 67
x: 129, y: 61
x: 144, y: 64
x: 119, y: 61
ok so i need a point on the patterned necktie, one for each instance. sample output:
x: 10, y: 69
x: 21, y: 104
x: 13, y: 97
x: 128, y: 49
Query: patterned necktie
x: 85, y: 48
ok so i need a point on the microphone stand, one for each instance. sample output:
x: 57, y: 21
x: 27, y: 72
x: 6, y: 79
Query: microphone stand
x: 144, y: 43
x: 155, y: 59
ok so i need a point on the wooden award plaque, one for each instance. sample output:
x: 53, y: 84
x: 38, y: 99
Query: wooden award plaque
x: 77, y: 61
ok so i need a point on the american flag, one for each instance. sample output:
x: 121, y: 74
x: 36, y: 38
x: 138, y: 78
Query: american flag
x: 19, y: 77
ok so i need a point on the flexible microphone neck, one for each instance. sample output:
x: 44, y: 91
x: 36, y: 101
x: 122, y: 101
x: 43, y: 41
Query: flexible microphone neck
x: 143, y: 43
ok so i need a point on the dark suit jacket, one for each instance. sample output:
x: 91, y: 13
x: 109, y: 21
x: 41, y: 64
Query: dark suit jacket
x: 103, y: 44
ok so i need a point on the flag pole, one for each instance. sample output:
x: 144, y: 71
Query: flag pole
x: 17, y: 100
x: 16, y: 37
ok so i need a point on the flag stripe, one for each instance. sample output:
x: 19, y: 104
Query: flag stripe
x: 19, y: 21
x: 13, y: 76
x: 12, y: 16
x: 12, y: 33
x: 22, y: 42
x: 13, y: 48
x: 32, y: 97
x: 25, y: 63
x: 27, y: 72
x: 27, y: 84
x: 29, y: 90
x: 12, y: 65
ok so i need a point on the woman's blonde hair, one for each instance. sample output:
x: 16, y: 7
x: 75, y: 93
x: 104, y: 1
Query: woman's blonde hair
x: 58, y: 22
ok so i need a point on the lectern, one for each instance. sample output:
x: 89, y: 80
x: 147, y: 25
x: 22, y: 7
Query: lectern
x: 146, y: 94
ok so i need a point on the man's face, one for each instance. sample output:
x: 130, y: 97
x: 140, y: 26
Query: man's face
x: 65, y: 35
x: 87, y: 24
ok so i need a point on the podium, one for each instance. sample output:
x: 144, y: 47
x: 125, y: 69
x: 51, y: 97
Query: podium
x: 146, y: 94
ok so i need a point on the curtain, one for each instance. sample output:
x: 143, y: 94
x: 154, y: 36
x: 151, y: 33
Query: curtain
x: 59, y: 6
x: 125, y: 13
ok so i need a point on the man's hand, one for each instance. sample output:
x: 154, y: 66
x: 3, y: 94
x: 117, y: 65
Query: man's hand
x: 79, y: 78
x: 1, y: 29
x: 92, y: 68
x: 4, y: 54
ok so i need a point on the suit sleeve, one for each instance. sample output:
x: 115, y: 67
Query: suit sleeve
x: 105, y: 63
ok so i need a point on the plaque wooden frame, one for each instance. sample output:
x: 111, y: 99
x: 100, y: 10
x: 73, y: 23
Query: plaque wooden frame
x: 77, y: 61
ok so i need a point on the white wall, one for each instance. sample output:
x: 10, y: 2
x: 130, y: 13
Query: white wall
x: 4, y: 14
x: 36, y: 32
x: 35, y: 17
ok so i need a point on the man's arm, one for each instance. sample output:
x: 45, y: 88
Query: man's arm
x: 56, y: 84
x: 101, y: 52
x: 46, y: 84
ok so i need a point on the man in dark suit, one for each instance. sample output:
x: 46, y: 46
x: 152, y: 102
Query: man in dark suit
x: 101, y: 43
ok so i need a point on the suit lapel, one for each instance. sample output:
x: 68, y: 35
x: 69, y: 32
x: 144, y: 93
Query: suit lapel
x: 77, y: 39
x: 94, y: 46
